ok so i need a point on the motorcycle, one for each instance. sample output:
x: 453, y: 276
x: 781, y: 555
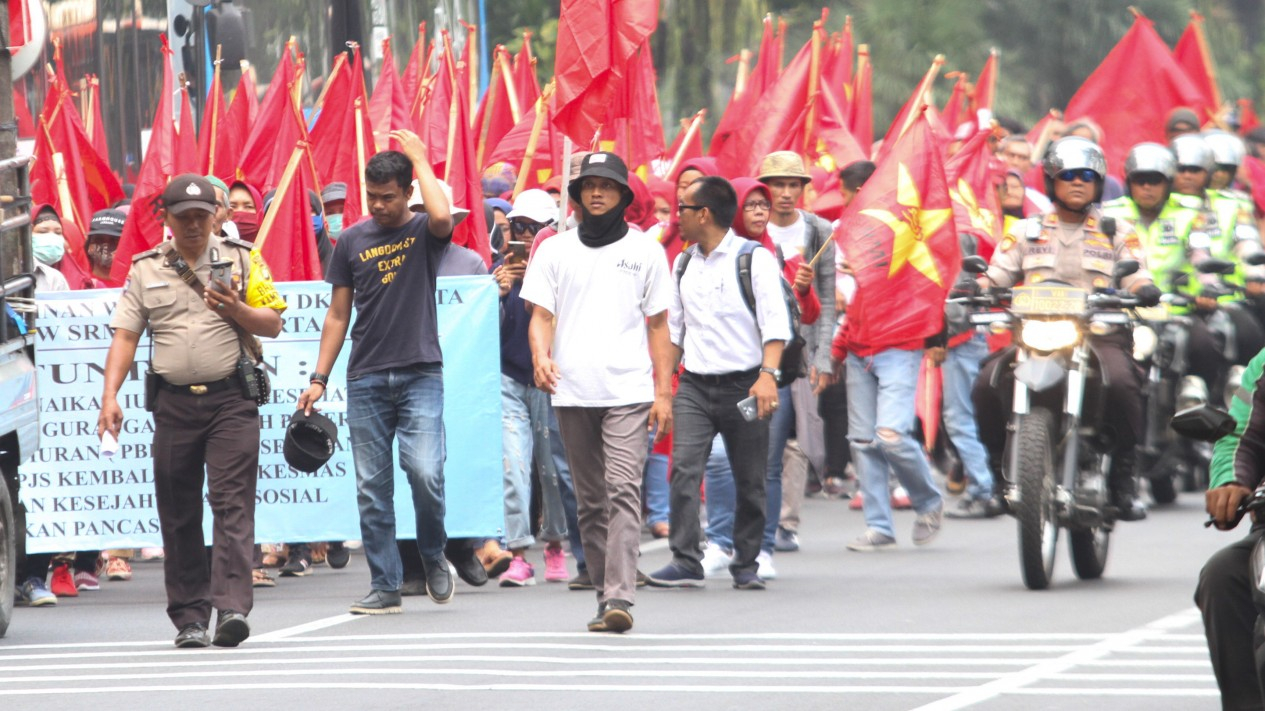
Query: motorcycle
x: 1057, y: 459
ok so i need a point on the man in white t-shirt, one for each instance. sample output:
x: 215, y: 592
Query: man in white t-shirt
x: 601, y: 294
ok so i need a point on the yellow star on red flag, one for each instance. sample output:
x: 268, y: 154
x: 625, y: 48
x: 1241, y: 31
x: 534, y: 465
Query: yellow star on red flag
x: 912, y: 226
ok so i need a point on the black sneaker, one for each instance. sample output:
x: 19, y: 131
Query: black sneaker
x: 675, y: 576
x: 748, y: 580
x: 231, y: 629
x: 439, y: 584
x: 192, y: 636
x: 338, y: 555
x: 378, y: 602
x: 468, y: 568
x: 598, y: 623
x: 581, y: 581
x: 297, y: 566
x: 618, y: 616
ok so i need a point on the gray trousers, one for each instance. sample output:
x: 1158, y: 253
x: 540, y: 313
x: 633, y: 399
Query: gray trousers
x: 606, y: 449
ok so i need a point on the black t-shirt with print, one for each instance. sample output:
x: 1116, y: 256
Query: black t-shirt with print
x: 392, y: 272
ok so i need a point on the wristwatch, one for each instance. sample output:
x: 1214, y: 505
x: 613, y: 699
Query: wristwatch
x: 776, y: 373
x: 321, y: 378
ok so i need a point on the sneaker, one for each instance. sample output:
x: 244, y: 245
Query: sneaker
x: 747, y: 580
x: 785, y: 540
x: 642, y: 580
x: 581, y: 581
x: 716, y: 560
x: 675, y: 576
x: 976, y: 508
x: 34, y: 593
x: 337, y: 555
x: 555, y: 565
x: 231, y: 629
x: 439, y: 583
x: 521, y: 574
x: 259, y: 578
x: 872, y: 541
x: 296, y: 567
x: 900, y: 498
x: 927, y: 526
x: 378, y: 602
x: 62, y: 584
x: 118, y: 569
x: 192, y: 636
x: 152, y: 554
x: 857, y: 502
x: 85, y: 580
x: 765, y: 563
x: 835, y: 488
x: 598, y: 623
x: 618, y: 616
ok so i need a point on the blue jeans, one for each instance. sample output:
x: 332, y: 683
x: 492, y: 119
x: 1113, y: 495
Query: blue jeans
x: 881, y: 394
x: 405, y: 403
x: 567, y: 490
x: 722, y: 497
x: 959, y: 371
x: 780, y: 425
x: 654, y: 486
x: 519, y: 442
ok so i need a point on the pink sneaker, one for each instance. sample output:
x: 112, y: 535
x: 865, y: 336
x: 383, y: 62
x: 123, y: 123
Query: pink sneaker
x: 556, y: 565
x: 856, y: 504
x: 520, y: 574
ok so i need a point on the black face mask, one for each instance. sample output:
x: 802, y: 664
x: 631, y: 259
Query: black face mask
x: 601, y: 230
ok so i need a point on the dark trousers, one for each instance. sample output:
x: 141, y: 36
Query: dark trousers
x: 1232, y: 624
x: 214, y: 438
x: 704, y: 406
x: 832, y: 405
x: 1121, y: 397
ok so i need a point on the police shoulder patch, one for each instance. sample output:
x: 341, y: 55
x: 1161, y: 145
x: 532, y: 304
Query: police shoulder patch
x: 146, y: 254
x: 239, y: 243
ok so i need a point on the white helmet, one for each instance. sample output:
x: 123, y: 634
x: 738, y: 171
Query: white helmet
x: 1227, y: 148
x: 1150, y: 158
x: 1191, y: 149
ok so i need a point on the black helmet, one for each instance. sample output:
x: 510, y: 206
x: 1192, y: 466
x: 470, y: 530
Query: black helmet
x: 309, y: 441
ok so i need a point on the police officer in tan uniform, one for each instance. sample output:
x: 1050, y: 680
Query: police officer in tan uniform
x: 205, y: 427
x: 1076, y: 245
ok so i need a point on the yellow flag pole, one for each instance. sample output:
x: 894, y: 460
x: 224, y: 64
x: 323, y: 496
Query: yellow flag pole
x: 360, y: 156
x: 215, y: 125
x: 287, y: 177
x: 480, y: 136
x: 507, y: 75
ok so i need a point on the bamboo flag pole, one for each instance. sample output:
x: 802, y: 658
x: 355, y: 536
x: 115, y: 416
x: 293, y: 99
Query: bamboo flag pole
x: 814, y: 85
x: 360, y: 156
x: 215, y: 111
x: 685, y: 142
x: 921, y: 96
x: 287, y: 177
x: 533, y: 140
x: 744, y: 73
x: 339, y: 61
x: 507, y: 74
x: 472, y: 50
x: 454, y: 109
x: 480, y: 135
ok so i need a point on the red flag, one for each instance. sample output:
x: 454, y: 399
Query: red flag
x: 1131, y: 92
x: 437, y: 108
x: 596, y: 42
x: 526, y: 85
x: 342, y: 139
x: 142, y: 229
x: 546, y: 161
x: 243, y: 110
x: 763, y: 76
x: 500, y: 109
x: 916, y: 107
x: 692, y: 140
x: 415, y: 71
x: 389, y: 105
x: 955, y: 108
x: 287, y: 239
x: 899, y: 238
x: 218, y: 143
x: 1193, y: 55
x: 186, y: 136
x: 772, y: 122
x: 1247, y: 116
x: 460, y: 170
x: 639, y: 102
x: 273, y: 128
x: 97, y: 131
x: 985, y: 86
x: 973, y: 174
x: 861, y: 120
x: 19, y: 23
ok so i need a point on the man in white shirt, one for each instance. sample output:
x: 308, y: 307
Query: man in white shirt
x: 609, y: 289
x: 732, y: 351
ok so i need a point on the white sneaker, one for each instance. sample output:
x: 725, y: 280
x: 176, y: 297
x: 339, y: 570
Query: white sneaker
x: 765, y: 561
x: 716, y: 560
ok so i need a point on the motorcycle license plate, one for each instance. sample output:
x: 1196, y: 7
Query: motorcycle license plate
x: 1048, y: 300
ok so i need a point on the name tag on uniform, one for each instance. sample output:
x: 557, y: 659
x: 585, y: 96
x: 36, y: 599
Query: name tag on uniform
x: 1168, y: 232
x: 158, y: 285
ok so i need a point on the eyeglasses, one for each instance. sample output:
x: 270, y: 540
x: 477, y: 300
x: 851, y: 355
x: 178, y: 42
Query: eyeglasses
x: 1085, y: 175
x: 754, y: 206
x: 522, y: 228
x: 1147, y: 178
x: 681, y: 207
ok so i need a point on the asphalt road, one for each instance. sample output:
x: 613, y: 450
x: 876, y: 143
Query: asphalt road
x: 948, y: 626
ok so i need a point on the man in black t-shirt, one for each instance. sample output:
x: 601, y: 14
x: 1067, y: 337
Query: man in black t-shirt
x: 386, y: 267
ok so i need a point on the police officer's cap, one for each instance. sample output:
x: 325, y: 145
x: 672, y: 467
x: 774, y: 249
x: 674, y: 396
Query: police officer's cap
x: 189, y: 192
x: 309, y: 441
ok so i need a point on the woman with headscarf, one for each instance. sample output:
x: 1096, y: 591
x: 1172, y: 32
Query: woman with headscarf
x: 689, y: 171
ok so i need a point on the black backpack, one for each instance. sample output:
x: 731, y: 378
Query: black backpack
x: 792, y: 365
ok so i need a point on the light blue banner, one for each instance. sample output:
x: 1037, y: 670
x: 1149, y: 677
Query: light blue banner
x: 76, y: 500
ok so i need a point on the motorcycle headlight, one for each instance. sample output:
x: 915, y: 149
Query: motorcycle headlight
x: 1144, y: 342
x: 1049, y: 336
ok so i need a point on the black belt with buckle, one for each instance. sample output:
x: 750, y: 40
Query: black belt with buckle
x: 740, y: 376
x: 200, y: 388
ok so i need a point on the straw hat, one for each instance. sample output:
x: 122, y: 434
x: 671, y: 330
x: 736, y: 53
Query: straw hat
x: 783, y: 164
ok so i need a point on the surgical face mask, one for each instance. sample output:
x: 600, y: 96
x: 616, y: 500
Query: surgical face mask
x: 49, y: 247
x: 335, y: 225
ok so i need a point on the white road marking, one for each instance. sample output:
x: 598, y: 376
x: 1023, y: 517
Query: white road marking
x: 312, y: 626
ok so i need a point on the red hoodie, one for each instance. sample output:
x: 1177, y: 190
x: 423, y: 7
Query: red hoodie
x: 809, y: 304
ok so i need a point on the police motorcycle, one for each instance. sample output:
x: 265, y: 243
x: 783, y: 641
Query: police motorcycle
x: 1057, y: 458
x: 1172, y: 463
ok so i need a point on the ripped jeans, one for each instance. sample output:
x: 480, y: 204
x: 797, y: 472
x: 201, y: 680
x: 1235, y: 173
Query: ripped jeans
x: 881, y: 411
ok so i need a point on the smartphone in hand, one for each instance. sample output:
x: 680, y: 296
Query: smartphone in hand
x: 516, y: 252
x: 748, y: 409
x: 221, y: 276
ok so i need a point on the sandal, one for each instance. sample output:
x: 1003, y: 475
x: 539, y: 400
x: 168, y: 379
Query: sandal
x: 261, y: 579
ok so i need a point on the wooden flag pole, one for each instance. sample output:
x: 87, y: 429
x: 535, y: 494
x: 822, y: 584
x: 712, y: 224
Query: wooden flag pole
x: 921, y: 97
x: 744, y: 73
x: 480, y: 131
x: 454, y: 108
x: 814, y: 85
x: 287, y: 177
x: 507, y: 74
x: 685, y: 142
x: 215, y: 125
x: 339, y: 61
x: 529, y: 157
x: 360, y: 156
